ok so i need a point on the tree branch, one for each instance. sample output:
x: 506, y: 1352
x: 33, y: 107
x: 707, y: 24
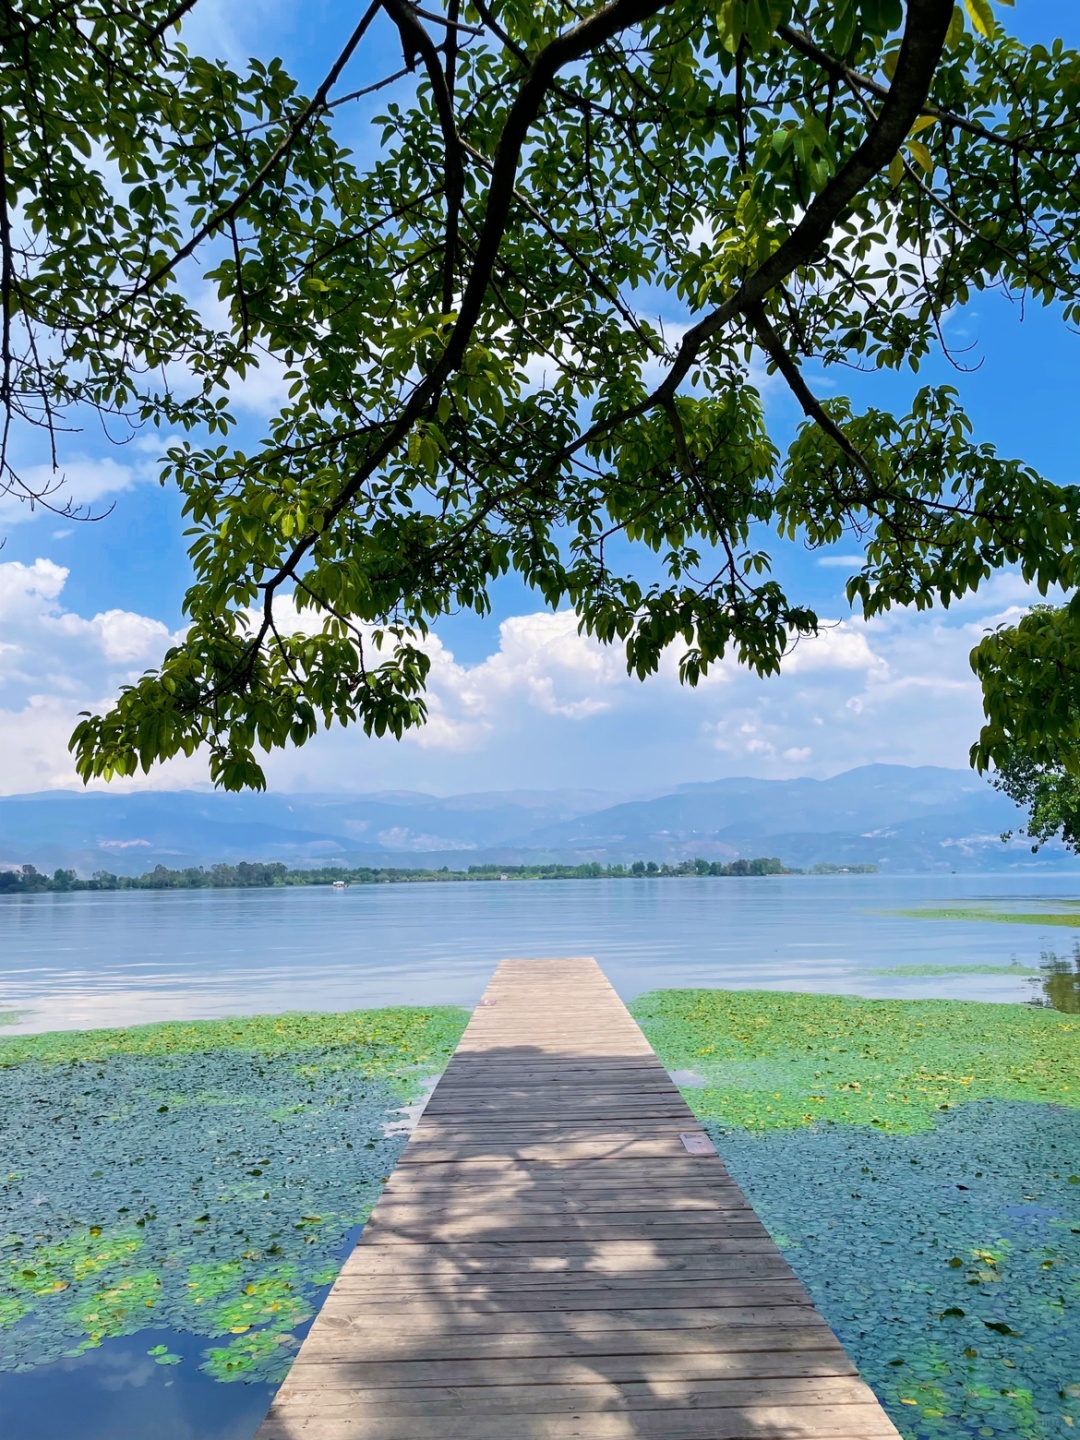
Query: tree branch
x: 173, y: 18
x: 800, y: 41
x: 288, y: 140
x: 572, y: 45
x: 413, y: 34
x: 811, y: 406
x: 920, y: 52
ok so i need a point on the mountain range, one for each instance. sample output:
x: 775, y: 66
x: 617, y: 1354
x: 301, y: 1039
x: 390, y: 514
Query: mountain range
x: 901, y: 819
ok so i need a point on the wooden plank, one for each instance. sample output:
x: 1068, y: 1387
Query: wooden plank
x: 551, y: 1260
x: 796, y: 1357
x: 697, y: 1351
x: 344, y: 1337
x: 542, y: 1398
x: 743, y: 1292
x: 737, y: 1270
x: 752, y: 1422
x: 568, y: 1371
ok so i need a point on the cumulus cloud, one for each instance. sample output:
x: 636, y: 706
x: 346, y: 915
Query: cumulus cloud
x: 546, y: 706
x: 843, y: 645
x: 54, y: 663
x: 542, y: 667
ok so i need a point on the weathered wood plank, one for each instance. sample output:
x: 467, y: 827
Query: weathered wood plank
x: 740, y: 1293
x: 751, y: 1422
x: 550, y: 1260
x: 797, y: 1354
x: 542, y: 1398
x: 701, y: 1368
x: 346, y: 1337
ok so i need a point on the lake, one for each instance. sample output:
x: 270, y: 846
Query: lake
x: 96, y: 959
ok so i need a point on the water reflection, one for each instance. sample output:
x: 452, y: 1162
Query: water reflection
x: 118, y: 1392
x: 1059, y: 983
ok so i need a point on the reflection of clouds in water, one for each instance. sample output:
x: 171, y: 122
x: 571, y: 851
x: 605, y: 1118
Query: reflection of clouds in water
x: 117, y: 1392
x: 119, y: 1369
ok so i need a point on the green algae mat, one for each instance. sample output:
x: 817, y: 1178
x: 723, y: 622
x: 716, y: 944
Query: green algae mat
x: 1068, y: 918
x: 196, y: 1177
x: 771, y: 1061
x: 918, y: 1162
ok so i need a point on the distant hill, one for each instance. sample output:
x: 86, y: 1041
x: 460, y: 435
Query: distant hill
x: 901, y: 819
x: 894, y: 816
x: 130, y: 833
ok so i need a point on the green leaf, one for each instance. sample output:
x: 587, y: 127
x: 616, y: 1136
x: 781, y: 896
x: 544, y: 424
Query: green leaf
x: 982, y: 17
x: 921, y: 155
x: 955, y: 32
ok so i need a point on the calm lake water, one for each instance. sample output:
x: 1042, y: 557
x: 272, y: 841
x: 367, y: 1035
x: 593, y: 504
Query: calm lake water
x: 91, y: 959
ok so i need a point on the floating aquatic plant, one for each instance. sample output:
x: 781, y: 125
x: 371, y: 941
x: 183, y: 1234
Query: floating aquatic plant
x: 919, y: 1164
x: 201, y: 1176
x: 1070, y: 918
x: 773, y: 1061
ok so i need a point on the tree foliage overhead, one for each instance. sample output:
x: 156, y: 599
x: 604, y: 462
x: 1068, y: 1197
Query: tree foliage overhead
x: 1031, y: 694
x: 465, y: 307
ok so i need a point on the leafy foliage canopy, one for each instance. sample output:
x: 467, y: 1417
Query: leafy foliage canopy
x: 463, y: 304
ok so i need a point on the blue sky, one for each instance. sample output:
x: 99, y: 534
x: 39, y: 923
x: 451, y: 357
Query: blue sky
x: 519, y: 699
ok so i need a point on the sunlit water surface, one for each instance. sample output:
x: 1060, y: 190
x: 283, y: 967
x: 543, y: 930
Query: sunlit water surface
x: 92, y: 959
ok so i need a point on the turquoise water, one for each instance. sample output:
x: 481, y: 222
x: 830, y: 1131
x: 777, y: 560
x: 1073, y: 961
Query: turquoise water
x: 225, y: 1189
x: 86, y: 959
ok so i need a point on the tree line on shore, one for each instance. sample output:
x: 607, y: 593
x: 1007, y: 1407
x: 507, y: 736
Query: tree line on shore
x: 26, y: 879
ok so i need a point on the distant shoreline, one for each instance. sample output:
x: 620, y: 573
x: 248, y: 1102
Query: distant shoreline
x: 26, y: 880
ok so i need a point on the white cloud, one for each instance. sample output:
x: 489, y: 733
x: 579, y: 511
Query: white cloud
x: 543, y: 666
x: 125, y: 637
x: 53, y: 664
x: 87, y: 482
x: 843, y: 645
x: 81, y: 481
x: 546, y: 706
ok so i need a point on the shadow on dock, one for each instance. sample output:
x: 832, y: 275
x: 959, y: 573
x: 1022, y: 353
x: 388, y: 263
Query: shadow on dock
x: 552, y: 1259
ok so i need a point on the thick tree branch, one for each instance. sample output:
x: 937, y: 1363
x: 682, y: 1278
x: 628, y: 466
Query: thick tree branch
x: 415, y: 36
x: 920, y: 51
x: 572, y: 45
x: 172, y: 18
x: 800, y: 41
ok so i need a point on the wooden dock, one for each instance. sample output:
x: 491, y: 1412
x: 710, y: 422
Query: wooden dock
x: 561, y: 1253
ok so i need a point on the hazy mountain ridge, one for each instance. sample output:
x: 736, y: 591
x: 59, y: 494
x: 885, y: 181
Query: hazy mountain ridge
x: 899, y: 818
